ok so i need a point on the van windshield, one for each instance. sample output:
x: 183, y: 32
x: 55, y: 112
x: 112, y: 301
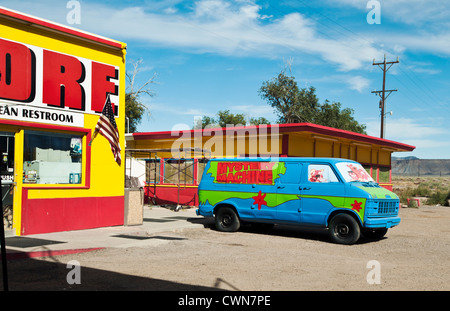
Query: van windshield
x: 353, y: 172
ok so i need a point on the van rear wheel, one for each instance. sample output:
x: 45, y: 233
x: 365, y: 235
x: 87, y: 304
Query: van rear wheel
x: 344, y: 229
x: 227, y: 220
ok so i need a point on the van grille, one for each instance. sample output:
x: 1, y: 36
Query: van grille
x: 387, y: 207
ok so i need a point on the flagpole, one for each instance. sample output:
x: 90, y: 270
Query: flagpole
x: 92, y: 138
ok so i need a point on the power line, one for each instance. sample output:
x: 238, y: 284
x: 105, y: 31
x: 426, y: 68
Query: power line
x: 419, y: 85
x: 438, y: 101
x: 413, y: 99
x: 361, y: 38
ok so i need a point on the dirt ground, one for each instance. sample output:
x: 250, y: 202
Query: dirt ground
x: 413, y: 256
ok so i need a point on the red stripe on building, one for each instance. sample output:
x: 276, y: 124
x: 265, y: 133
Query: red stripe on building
x: 65, y: 214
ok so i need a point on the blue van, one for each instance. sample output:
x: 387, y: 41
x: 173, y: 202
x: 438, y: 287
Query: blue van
x: 334, y: 193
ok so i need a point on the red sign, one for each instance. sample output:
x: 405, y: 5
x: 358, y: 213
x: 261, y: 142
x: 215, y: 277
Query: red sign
x: 245, y: 172
x: 45, y: 78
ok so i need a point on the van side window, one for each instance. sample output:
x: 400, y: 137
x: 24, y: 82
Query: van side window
x: 321, y: 173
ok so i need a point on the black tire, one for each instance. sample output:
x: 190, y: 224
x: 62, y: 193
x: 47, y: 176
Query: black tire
x: 375, y: 233
x: 227, y: 220
x: 344, y: 229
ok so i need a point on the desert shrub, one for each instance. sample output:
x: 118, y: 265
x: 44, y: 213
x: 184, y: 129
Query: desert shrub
x: 436, y: 190
x: 439, y: 198
x: 422, y: 191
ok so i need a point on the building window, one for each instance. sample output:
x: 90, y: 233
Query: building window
x: 371, y: 171
x: 7, y: 156
x: 384, y: 175
x: 368, y: 169
x: 179, y: 171
x: 52, y: 158
x: 374, y: 173
x: 152, y: 170
x: 201, y: 164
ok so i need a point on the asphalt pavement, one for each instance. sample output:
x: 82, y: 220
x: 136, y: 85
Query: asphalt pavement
x: 155, y: 219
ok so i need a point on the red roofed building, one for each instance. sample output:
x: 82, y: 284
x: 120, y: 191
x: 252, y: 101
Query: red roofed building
x: 175, y: 160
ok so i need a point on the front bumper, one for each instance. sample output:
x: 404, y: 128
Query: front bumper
x: 381, y: 222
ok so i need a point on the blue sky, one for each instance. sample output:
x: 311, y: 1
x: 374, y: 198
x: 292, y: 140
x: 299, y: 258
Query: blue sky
x: 212, y: 55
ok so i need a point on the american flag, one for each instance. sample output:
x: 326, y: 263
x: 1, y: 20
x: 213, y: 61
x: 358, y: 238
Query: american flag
x: 107, y: 126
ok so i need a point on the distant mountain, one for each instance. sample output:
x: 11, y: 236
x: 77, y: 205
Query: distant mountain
x: 405, y: 158
x: 413, y: 166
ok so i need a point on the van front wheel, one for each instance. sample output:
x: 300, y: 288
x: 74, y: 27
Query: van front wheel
x: 344, y: 229
x: 227, y: 220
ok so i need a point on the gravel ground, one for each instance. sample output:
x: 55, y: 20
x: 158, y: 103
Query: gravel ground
x: 412, y: 256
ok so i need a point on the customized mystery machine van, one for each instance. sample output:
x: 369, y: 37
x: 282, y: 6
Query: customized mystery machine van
x: 334, y: 193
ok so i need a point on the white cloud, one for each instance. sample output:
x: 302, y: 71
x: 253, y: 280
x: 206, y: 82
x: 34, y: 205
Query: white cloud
x: 411, y: 132
x: 423, y: 67
x: 358, y: 83
x: 235, y: 28
x: 426, y: 143
x: 254, y: 110
x: 415, y: 12
x: 427, y: 24
x: 430, y: 140
x: 434, y: 43
x: 240, y: 28
x: 405, y: 128
x: 170, y: 10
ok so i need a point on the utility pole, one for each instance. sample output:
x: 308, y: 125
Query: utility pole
x: 382, y: 93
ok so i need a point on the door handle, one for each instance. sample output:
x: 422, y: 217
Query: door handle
x: 280, y: 187
x: 306, y: 188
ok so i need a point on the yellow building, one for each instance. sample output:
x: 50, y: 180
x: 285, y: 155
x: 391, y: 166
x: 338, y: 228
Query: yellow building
x: 175, y: 160
x: 54, y: 82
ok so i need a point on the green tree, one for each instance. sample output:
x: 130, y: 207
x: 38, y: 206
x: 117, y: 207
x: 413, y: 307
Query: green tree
x: 225, y: 117
x: 134, y: 110
x: 204, y: 121
x: 331, y: 115
x: 134, y: 107
x: 258, y: 121
x: 294, y: 105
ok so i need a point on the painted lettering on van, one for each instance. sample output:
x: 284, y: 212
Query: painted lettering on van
x: 262, y: 173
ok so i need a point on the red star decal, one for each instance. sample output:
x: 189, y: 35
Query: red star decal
x: 356, y: 206
x: 259, y: 199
